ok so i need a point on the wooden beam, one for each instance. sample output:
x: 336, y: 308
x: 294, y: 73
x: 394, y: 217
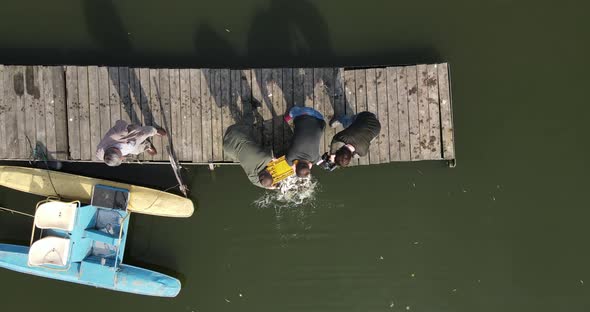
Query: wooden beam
x: 448, y: 141
x: 94, y: 114
x: 73, y: 105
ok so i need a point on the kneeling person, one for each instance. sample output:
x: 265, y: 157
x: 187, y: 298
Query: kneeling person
x: 126, y: 139
x: 308, y: 129
x: 240, y: 145
x: 355, y: 139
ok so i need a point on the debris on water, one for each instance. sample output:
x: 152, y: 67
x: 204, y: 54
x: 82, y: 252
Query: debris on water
x: 416, y: 243
x: 408, y: 308
x: 240, y: 295
x: 381, y: 258
x: 493, y: 198
x: 582, y: 282
x: 227, y: 30
x: 479, y: 281
x: 414, y: 184
x: 464, y: 190
x: 420, y: 172
x: 454, y: 289
x: 413, y: 275
x: 391, y: 305
x: 498, y: 186
x: 227, y: 300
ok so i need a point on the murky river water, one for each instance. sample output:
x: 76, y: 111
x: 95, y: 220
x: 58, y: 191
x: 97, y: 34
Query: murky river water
x: 507, y: 230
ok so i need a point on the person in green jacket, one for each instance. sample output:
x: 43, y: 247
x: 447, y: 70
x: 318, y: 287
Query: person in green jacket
x: 359, y: 131
x: 240, y: 145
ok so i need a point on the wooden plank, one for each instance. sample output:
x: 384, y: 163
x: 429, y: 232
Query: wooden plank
x: 298, y: 87
x: 225, y: 103
x: 135, y: 94
x: 94, y: 106
x: 257, y: 99
x: 288, y: 102
x: 266, y: 87
x: 30, y: 84
x: 308, y: 87
x: 17, y: 82
x: 423, y: 110
x: 196, y: 122
x: 86, y: 147
x: 216, y: 125
x: 73, y: 105
x: 145, y: 104
x: 186, y: 142
x: 383, y: 115
x: 393, y: 116
x: 328, y: 105
x: 434, y: 144
x: 175, y: 134
x: 448, y: 141
x: 59, y: 101
x: 339, y: 94
x: 413, y: 112
x: 114, y: 98
x: 125, y: 95
x: 206, y: 116
x: 156, y: 111
x: 278, y: 108
x: 3, y: 112
x: 236, y: 104
x: 372, y: 107
x: 246, y: 95
x: 361, y: 101
x: 319, y: 97
x: 166, y: 110
x: 48, y: 105
x: 350, y: 99
x: 104, y: 107
x: 402, y: 110
x: 10, y: 107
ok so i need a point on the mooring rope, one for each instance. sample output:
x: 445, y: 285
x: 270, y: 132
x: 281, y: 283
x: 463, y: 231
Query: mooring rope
x: 17, y: 212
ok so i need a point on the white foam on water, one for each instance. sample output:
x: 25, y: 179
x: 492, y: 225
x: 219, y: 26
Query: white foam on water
x: 292, y: 192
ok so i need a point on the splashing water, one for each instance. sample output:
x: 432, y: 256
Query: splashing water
x: 292, y: 192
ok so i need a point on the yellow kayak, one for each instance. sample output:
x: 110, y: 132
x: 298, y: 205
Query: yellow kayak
x: 70, y: 186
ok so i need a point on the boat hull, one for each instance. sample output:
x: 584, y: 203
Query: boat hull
x: 128, y: 278
x: 70, y: 186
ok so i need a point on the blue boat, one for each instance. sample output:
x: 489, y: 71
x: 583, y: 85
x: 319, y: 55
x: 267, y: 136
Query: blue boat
x: 85, y: 244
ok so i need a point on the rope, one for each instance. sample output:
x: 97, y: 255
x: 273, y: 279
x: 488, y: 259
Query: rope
x: 17, y: 212
x: 33, y: 157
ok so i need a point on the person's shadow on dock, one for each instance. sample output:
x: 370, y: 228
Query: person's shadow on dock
x: 285, y: 31
x: 106, y: 28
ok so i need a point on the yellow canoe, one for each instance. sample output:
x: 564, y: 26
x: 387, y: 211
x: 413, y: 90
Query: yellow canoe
x: 70, y: 186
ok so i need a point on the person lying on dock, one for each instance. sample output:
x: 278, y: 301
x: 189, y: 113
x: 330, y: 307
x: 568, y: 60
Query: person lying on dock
x: 354, y: 141
x: 240, y: 145
x: 308, y: 129
x: 126, y: 139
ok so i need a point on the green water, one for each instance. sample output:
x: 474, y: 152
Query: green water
x: 507, y: 230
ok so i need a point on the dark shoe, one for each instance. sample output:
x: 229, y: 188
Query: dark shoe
x: 161, y: 132
x: 334, y: 123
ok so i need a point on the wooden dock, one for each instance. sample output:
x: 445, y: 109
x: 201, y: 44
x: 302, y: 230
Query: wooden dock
x: 66, y: 110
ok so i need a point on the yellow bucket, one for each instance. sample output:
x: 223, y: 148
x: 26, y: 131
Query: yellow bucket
x: 279, y: 169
